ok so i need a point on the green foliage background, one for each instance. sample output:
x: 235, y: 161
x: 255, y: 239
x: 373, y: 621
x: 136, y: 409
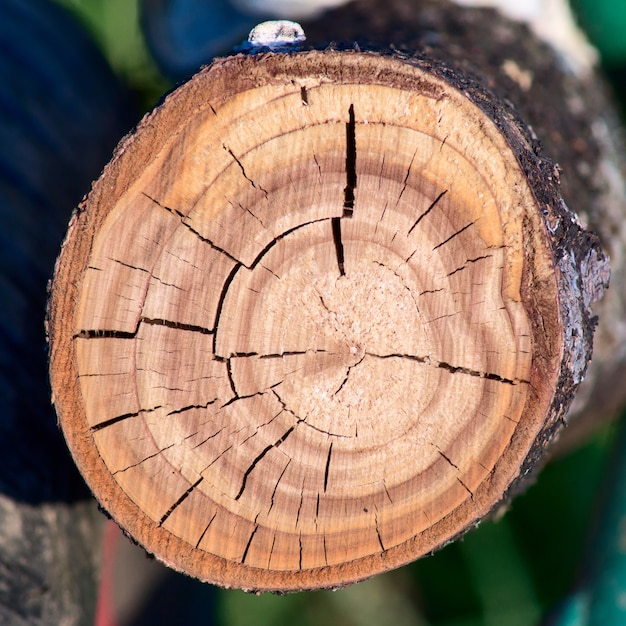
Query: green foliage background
x: 509, y: 572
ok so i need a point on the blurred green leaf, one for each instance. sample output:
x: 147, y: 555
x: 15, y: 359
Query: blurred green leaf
x: 605, y: 24
x: 114, y: 25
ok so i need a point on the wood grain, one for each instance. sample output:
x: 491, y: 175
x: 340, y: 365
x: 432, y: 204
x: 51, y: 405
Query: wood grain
x: 309, y: 325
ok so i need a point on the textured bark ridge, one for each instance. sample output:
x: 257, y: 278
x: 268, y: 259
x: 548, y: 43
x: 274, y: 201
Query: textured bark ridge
x: 317, y: 317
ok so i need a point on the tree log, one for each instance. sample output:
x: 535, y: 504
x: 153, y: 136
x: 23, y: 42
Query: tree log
x: 321, y: 314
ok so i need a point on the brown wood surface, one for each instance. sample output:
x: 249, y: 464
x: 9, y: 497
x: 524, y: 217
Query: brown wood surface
x: 319, y: 315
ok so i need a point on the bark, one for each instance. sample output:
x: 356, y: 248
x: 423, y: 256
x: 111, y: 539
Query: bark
x: 325, y: 309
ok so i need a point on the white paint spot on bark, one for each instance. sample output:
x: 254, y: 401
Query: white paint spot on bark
x: 276, y: 34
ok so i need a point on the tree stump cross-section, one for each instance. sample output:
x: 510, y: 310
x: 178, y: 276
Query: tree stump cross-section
x: 309, y: 324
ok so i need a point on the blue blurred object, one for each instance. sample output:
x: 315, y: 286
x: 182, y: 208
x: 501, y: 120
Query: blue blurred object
x: 183, y: 35
x: 61, y: 113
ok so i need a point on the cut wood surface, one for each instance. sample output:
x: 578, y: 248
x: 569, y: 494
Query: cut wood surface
x: 320, y: 314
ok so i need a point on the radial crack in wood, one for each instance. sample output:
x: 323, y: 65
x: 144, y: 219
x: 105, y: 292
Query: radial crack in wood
x: 312, y: 321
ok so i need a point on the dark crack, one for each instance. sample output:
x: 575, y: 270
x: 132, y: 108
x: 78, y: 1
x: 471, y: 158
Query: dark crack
x: 471, y: 493
x: 319, y: 167
x: 453, y: 235
x: 260, y: 457
x: 186, y: 224
x: 453, y: 369
x: 380, y: 539
x: 247, y: 210
x: 387, y: 491
x: 405, y: 183
x: 204, y: 532
x: 179, y: 501
x: 336, y: 226
x: 469, y: 262
x: 345, y: 380
x: 245, y: 552
x: 282, y: 235
x: 220, y: 303
x: 150, y: 456
x: 327, y: 469
x: 177, y: 325
x: 351, y: 178
x: 192, y: 406
x: 488, y: 375
x: 397, y: 355
x: 447, y: 458
x: 243, y: 171
x: 276, y: 486
x: 429, y: 291
x: 215, y: 434
x: 428, y: 210
x: 104, y: 334
x: 120, y: 418
x: 299, y: 507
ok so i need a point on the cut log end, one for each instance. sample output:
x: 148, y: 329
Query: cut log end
x: 309, y: 325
